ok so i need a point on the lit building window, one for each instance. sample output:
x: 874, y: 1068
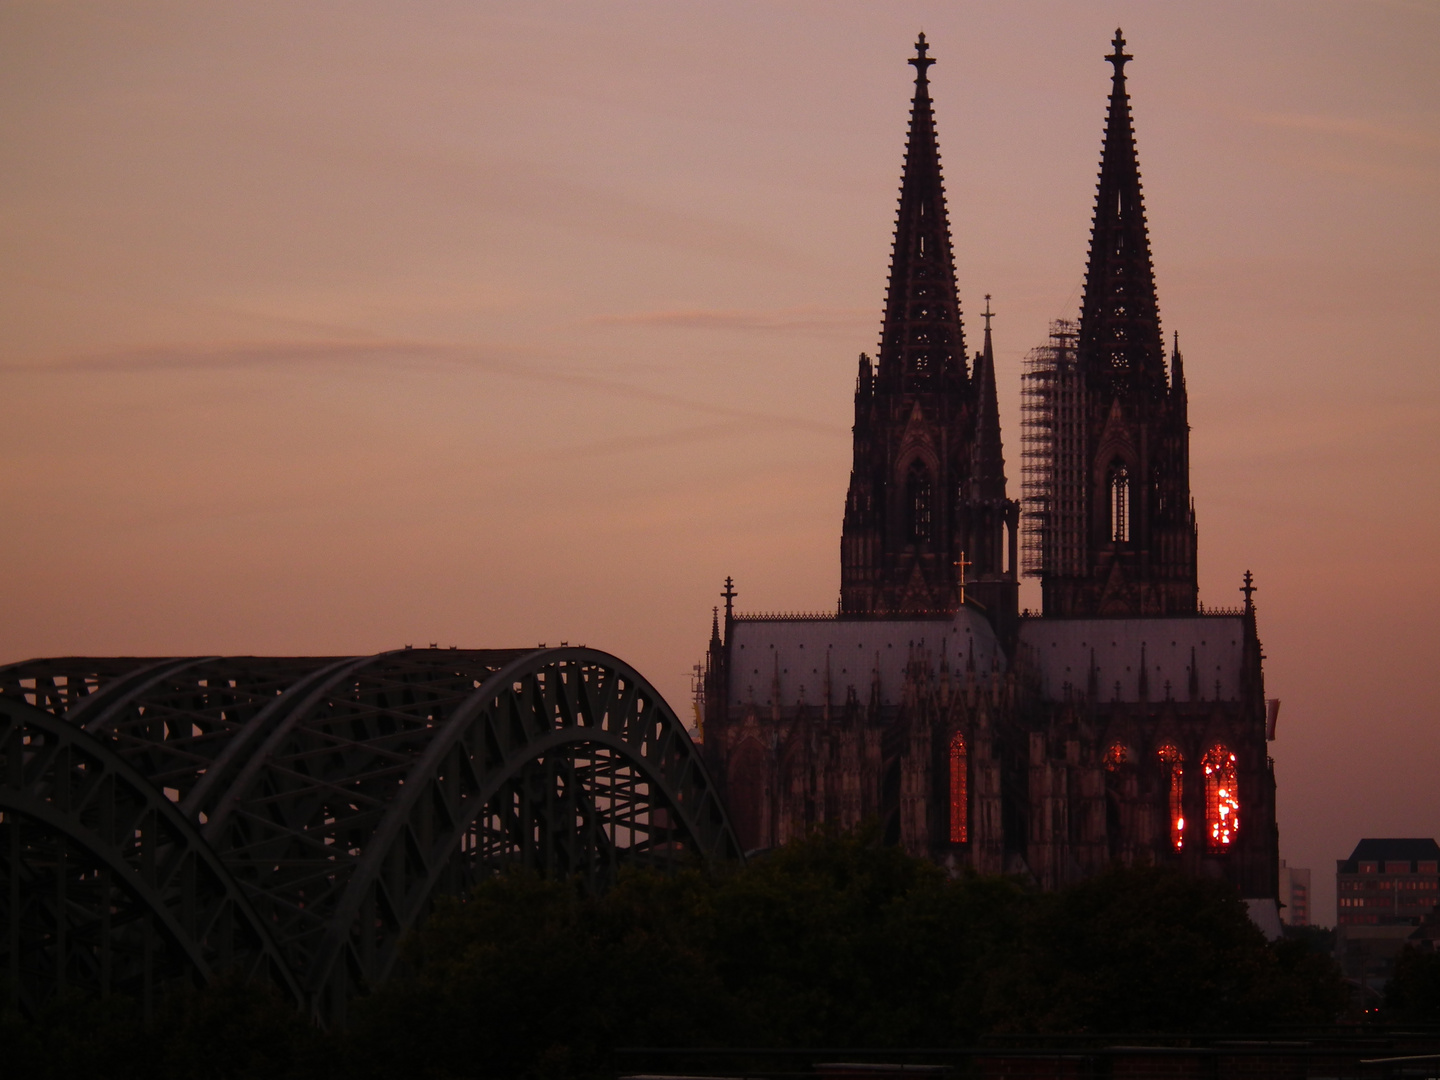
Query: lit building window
x: 1174, y: 762
x: 1222, y: 800
x: 959, y: 791
x: 1116, y: 756
x: 1120, y: 503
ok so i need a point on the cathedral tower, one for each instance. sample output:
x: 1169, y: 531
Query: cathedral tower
x: 927, y: 489
x: 1138, y: 553
x: 1040, y: 746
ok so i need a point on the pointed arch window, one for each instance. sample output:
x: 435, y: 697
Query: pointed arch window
x: 1222, y: 798
x: 1172, y: 765
x: 1119, y: 487
x: 919, y: 496
x: 959, y: 790
x: 1116, y: 756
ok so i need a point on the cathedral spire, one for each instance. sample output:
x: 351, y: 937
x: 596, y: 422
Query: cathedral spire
x: 1131, y: 486
x: 928, y: 483
x: 922, y: 338
x: 1120, y: 344
x: 987, y: 455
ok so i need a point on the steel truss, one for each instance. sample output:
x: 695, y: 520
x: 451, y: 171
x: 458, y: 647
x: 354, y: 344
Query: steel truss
x: 162, y: 821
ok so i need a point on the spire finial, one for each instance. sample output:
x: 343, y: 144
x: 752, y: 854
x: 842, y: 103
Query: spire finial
x: 1118, y: 57
x: 920, y: 60
x: 729, y: 594
x: 1249, y: 589
x: 987, y: 312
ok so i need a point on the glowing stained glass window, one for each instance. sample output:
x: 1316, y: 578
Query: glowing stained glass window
x: 1222, y: 799
x: 959, y: 791
x: 1174, y: 761
x: 1116, y: 756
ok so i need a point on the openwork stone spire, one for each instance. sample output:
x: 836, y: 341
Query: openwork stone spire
x: 922, y: 336
x: 1120, y: 343
x: 1133, y: 486
x: 926, y: 513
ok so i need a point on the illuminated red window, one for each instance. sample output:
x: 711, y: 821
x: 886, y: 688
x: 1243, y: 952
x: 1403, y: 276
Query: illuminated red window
x: 1116, y: 756
x: 1222, y: 799
x: 1174, y: 761
x: 959, y: 791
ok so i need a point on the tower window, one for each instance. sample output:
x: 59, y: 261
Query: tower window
x: 959, y: 790
x: 1116, y: 756
x: 918, y: 498
x: 1222, y: 799
x: 1120, y: 503
x: 1173, y: 764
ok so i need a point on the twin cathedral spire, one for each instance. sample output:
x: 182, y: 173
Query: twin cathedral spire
x: 927, y: 492
x: 1139, y: 553
x: 928, y: 523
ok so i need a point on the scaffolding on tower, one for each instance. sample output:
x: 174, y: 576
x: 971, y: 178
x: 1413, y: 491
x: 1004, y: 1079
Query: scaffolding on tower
x: 1052, y: 470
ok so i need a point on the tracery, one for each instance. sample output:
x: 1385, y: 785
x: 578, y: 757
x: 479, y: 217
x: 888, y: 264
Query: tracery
x: 959, y: 790
x: 918, y: 495
x: 1222, y: 799
x: 1174, y: 763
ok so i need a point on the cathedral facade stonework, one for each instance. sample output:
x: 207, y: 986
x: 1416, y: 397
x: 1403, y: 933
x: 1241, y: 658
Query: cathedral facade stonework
x: 1125, y: 723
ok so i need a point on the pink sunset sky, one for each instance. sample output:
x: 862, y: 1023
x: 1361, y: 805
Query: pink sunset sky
x: 333, y: 327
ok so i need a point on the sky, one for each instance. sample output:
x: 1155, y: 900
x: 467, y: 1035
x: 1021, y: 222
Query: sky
x: 331, y: 327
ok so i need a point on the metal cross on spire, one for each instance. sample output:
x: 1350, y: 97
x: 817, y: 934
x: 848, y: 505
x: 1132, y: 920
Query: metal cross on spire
x: 920, y: 60
x: 987, y: 312
x: 961, y: 565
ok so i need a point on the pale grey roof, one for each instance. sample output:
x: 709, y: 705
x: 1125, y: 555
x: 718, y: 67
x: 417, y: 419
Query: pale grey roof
x: 855, y: 649
x: 1061, y: 648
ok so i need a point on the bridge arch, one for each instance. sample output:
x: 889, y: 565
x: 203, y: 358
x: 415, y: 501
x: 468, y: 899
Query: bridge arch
x: 106, y: 884
x: 341, y: 796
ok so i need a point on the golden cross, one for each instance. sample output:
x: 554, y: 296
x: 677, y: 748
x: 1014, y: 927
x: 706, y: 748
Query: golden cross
x: 961, y: 565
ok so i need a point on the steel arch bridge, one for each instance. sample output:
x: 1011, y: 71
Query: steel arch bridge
x: 291, y: 818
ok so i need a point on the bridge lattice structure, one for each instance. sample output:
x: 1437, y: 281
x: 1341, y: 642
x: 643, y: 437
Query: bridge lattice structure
x: 163, y: 821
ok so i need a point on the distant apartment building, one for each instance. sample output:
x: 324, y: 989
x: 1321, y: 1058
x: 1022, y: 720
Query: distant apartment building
x: 1294, y: 895
x: 1387, y: 883
x: 1382, y: 892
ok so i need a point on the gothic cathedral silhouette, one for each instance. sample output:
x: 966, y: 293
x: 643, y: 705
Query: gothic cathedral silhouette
x: 1126, y: 722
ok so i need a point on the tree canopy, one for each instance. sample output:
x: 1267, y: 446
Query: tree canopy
x: 834, y: 941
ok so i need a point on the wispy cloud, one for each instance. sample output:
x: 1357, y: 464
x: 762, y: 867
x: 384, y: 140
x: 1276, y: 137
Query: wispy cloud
x: 1370, y: 150
x: 229, y: 356
x: 395, y: 353
x: 631, y: 444
x: 782, y: 319
x: 1353, y: 128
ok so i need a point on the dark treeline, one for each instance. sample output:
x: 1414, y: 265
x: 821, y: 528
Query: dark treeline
x: 832, y: 941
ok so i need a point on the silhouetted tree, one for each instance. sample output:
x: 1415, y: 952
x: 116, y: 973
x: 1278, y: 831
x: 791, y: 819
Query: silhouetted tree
x: 1412, y: 995
x: 1146, y: 950
x: 834, y: 940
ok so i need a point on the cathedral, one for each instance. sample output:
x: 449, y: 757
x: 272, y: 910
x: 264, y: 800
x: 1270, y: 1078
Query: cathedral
x: 1126, y: 722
